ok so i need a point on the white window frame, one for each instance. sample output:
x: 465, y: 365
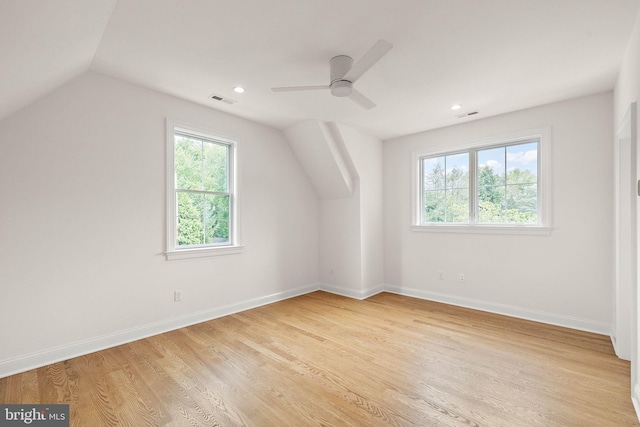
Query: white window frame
x: 173, y: 252
x: 543, y: 227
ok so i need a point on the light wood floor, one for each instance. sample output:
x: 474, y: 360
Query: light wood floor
x: 325, y: 360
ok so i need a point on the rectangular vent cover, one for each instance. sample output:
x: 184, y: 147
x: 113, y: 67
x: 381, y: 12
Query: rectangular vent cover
x: 219, y: 98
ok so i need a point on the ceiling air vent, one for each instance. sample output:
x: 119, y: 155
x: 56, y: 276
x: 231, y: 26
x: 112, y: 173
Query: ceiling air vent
x: 219, y: 98
x: 462, y: 116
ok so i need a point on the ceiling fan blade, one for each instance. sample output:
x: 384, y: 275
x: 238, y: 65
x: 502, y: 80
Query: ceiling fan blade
x: 361, y: 100
x: 298, y: 88
x: 372, y: 56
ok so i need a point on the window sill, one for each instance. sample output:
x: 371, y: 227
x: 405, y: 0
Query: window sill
x: 484, y: 229
x: 203, y: 252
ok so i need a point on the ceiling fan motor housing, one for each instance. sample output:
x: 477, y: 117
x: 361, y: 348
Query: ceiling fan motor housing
x: 339, y: 66
x: 341, y: 88
x: 344, y: 73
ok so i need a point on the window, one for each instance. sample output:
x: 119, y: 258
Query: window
x: 491, y: 186
x: 507, y: 184
x: 446, y: 188
x: 201, y: 196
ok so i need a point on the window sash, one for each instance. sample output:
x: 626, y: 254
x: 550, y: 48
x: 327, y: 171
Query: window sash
x: 446, y: 189
x: 474, y: 171
x: 205, y: 237
x: 217, y: 214
x: 205, y: 241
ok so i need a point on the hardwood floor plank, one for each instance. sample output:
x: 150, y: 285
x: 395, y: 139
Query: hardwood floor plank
x: 325, y: 360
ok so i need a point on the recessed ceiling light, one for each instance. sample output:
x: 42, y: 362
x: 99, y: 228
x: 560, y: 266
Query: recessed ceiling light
x: 456, y: 107
x: 238, y: 89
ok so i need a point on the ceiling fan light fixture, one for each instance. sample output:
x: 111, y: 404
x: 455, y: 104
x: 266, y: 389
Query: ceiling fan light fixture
x: 341, y: 88
x: 343, y: 73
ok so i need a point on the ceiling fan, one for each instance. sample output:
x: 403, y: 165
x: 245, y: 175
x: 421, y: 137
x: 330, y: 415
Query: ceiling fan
x: 344, y: 73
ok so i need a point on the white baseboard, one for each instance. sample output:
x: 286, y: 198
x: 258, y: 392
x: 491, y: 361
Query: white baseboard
x: 635, y: 395
x: 53, y: 355
x: 614, y: 343
x: 359, y: 295
x: 621, y: 354
x: 506, y: 310
x: 80, y: 348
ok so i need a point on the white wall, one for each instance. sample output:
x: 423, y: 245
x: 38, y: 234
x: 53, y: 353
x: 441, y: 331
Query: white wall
x: 82, y: 222
x: 340, y: 245
x: 351, y: 229
x: 366, y: 154
x: 564, y: 278
x: 627, y: 90
x: 320, y: 157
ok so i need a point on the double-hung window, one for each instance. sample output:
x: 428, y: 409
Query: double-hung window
x: 491, y: 186
x: 201, y: 193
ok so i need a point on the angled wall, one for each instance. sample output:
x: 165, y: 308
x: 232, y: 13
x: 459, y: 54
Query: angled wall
x: 365, y: 153
x: 321, y: 158
x: 345, y: 166
x: 82, y: 223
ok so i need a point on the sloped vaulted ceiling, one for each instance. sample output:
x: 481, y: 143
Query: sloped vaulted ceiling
x: 491, y: 56
x: 44, y: 44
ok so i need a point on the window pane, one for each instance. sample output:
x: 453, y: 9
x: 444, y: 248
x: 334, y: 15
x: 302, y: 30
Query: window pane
x: 434, y: 206
x: 491, y: 189
x: 188, y: 163
x: 433, y: 170
x: 491, y: 166
x: 522, y: 163
x: 190, y: 220
x: 457, y: 204
x: 491, y: 194
x: 457, y: 167
x: 522, y: 203
x: 215, y: 167
x: 508, y: 184
x: 203, y: 192
x: 490, y: 213
x: 217, y: 219
x: 446, y: 188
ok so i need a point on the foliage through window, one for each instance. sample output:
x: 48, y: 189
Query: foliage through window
x: 200, y: 191
x: 446, y: 188
x: 493, y: 185
x: 508, y: 184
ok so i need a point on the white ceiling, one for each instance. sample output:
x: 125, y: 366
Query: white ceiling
x: 44, y: 44
x: 493, y: 56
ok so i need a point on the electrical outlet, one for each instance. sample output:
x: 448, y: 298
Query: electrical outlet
x: 440, y: 275
x: 177, y: 296
x: 461, y: 277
